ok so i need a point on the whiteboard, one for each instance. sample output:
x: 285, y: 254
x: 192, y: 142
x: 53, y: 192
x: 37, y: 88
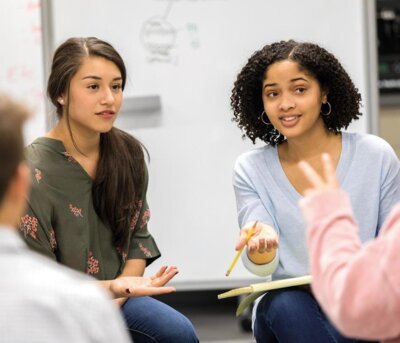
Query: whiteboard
x: 21, y: 61
x: 188, y: 53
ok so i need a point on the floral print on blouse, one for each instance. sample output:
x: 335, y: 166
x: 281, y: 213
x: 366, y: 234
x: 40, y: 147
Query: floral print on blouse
x: 60, y: 220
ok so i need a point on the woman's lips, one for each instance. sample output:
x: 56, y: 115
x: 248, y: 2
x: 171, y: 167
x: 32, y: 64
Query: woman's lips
x: 289, y: 121
x: 106, y: 114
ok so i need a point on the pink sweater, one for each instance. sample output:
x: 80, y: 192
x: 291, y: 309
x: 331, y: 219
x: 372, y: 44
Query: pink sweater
x: 357, y: 286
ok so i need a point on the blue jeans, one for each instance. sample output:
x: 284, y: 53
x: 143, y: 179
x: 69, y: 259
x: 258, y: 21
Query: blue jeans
x: 151, y: 321
x: 293, y: 315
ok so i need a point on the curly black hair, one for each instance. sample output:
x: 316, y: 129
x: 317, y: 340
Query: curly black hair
x: 246, y: 98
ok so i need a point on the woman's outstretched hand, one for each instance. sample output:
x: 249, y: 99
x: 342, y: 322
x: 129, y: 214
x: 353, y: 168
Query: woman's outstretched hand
x: 137, y: 286
x: 320, y: 184
x: 262, y: 244
x: 263, y: 239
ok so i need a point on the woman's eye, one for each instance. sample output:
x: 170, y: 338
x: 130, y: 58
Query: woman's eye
x: 94, y: 87
x: 272, y: 94
x: 117, y: 87
x: 300, y: 90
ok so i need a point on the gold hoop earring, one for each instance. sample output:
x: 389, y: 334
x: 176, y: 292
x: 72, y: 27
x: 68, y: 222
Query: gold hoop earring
x: 329, y: 110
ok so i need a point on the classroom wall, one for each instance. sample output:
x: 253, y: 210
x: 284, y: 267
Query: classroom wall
x: 21, y: 59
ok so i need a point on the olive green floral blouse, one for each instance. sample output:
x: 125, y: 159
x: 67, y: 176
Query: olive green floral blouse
x: 61, y: 222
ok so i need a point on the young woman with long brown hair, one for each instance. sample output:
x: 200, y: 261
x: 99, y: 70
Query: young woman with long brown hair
x: 87, y: 207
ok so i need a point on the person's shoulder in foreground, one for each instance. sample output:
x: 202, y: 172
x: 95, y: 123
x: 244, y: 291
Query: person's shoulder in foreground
x: 43, y: 301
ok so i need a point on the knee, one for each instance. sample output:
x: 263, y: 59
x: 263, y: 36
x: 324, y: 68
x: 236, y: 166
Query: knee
x: 155, y: 319
x: 287, y: 305
x: 179, y: 330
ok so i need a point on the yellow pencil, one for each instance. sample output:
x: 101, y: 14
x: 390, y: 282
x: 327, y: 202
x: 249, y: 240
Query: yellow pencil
x: 249, y: 234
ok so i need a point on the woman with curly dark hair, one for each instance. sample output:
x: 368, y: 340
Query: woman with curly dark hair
x: 297, y: 98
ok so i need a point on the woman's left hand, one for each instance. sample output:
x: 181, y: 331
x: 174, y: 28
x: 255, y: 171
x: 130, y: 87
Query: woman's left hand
x: 136, y: 286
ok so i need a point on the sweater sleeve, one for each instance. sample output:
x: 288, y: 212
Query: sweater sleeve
x: 356, y: 285
x: 390, y: 182
x: 251, y: 208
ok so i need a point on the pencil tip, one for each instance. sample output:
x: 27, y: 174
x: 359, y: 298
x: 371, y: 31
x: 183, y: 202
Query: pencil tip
x: 227, y: 273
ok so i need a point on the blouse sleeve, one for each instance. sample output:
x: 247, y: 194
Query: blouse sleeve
x: 142, y: 244
x: 35, y: 225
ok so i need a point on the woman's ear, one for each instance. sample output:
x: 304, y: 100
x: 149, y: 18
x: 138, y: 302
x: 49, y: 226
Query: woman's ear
x: 61, y: 101
x: 324, y: 95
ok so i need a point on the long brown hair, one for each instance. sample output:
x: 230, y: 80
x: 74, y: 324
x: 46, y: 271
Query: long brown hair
x: 121, y: 172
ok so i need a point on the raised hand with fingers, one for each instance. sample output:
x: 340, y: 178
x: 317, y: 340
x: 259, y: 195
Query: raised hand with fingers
x: 137, y: 286
x: 261, y: 247
x: 320, y: 184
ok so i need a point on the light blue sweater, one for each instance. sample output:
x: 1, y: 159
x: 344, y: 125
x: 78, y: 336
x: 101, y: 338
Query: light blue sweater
x: 368, y: 170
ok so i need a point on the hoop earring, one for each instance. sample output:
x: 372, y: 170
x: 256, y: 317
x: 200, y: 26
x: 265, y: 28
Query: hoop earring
x: 268, y: 123
x: 273, y: 136
x: 329, y: 110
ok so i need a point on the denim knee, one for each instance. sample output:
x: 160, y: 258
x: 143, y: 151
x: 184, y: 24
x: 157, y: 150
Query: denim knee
x: 150, y: 320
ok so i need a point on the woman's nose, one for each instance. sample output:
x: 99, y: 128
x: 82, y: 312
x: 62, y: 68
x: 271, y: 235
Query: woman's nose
x: 287, y: 104
x: 108, y: 97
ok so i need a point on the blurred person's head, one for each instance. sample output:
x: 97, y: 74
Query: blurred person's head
x: 14, y: 173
